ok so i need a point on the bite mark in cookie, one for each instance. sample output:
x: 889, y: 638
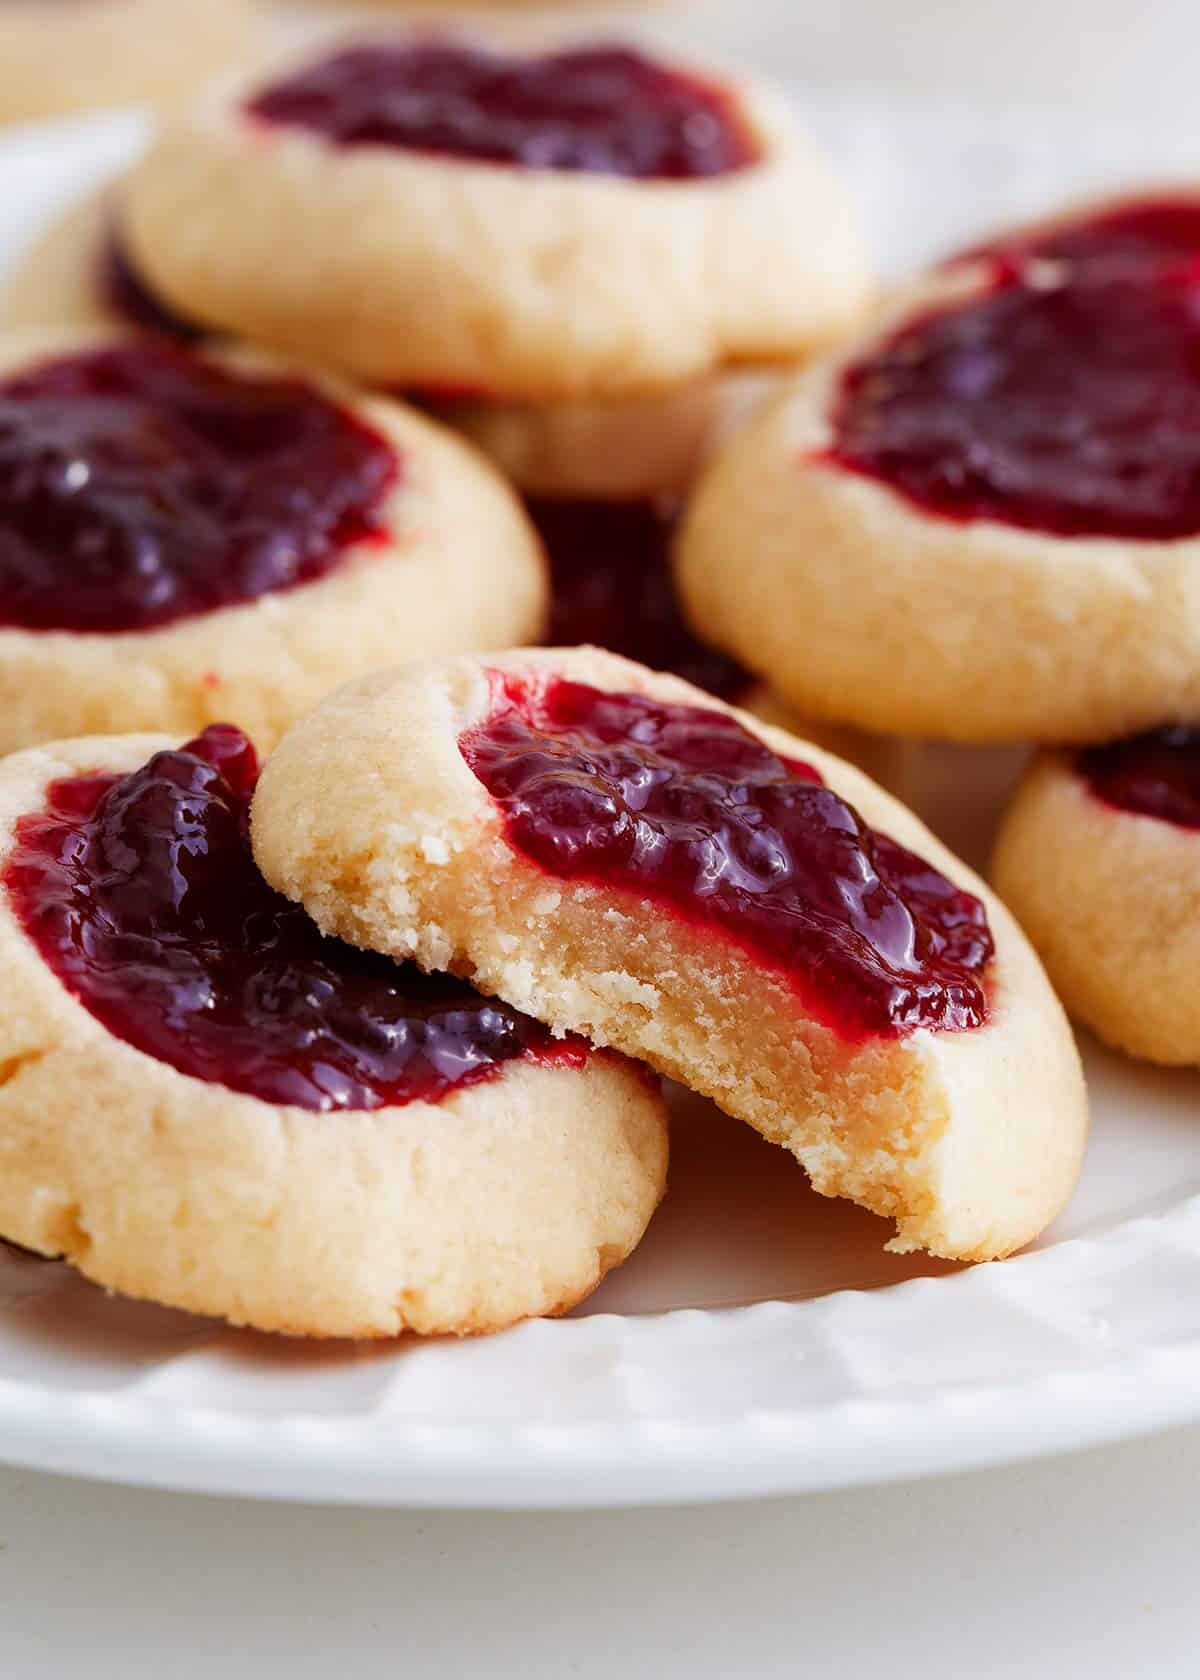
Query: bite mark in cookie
x: 686, y: 806
x: 618, y: 854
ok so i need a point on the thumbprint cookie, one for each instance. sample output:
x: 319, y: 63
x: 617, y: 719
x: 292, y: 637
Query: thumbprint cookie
x: 484, y: 222
x: 190, y: 534
x: 619, y: 855
x: 205, y: 1103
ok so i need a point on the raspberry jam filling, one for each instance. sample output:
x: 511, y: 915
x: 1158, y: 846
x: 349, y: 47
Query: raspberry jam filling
x: 1137, y: 232
x: 605, y: 109
x: 142, y: 895
x: 1153, y: 775
x: 611, y: 586
x: 141, y: 484
x: 124, y: 292
x: 685, y: 807
x: 1065, y: 402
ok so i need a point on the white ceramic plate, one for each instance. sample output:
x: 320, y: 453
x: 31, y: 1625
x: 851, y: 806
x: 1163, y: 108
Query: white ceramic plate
x: 760, y: 1341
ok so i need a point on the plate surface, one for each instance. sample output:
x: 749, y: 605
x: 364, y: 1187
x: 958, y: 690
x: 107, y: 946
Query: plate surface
x: 760, y: 1340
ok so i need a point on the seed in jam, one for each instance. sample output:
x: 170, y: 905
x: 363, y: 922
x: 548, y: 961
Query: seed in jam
x: 606, y: 110
x: 685, y: 807
x: 142, y: 895
x: 141, y: 484
x: 611, y: 585
x: 125, y: 293
x: 1156, y: 774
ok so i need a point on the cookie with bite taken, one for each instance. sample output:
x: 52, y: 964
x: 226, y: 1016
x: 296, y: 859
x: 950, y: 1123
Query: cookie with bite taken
x: 622, y: 856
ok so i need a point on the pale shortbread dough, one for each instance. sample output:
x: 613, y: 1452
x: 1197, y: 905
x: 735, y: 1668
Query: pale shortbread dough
x: 405, y: 269
x: 369, y: 815
x: 59, y: 56
x: 886, y: 759
x: 463, y: 570
x: 1111, y: 899
x: 622, y: 447
x: 863, y: 609
x: 508, y: 1199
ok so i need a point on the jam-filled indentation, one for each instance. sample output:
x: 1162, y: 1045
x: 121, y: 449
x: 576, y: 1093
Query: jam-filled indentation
x: 606, y: 110
x: 1062, y: 397
x: 611, y: 585
x: 141, y: 484
x: 685, y: 807
x: 1133, y: 232
x: 1155, y: 774
x: 141, y: 894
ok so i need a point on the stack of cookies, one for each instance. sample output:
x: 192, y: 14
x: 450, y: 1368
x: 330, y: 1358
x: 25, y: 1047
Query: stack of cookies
x: 372, y: 1041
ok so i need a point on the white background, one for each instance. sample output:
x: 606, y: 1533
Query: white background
x: 1081, y: 1567
x: 1084, y: 1566
x: 1096, y: 56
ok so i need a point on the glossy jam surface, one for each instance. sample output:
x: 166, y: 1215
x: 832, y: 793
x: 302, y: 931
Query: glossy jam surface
x: 140, y: 484
x: 1153, y: 775
x: 611, y: 586
x: 126, y: 294
x: 684, y: 806
x: 1063, y: 399
x: 1137, y: 232
x: 604, y: 110
x: 142, y: 895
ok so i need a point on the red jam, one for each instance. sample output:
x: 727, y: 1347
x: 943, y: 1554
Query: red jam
x: 1153, y: 775
x: 684, y: 806
x: 1062, y: 400
x: 1139, y: 231
x: 141, y: 484
x: 142, y: 895
x: 611, y: 585
x: 126, y: 294
x: 607, y: 110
